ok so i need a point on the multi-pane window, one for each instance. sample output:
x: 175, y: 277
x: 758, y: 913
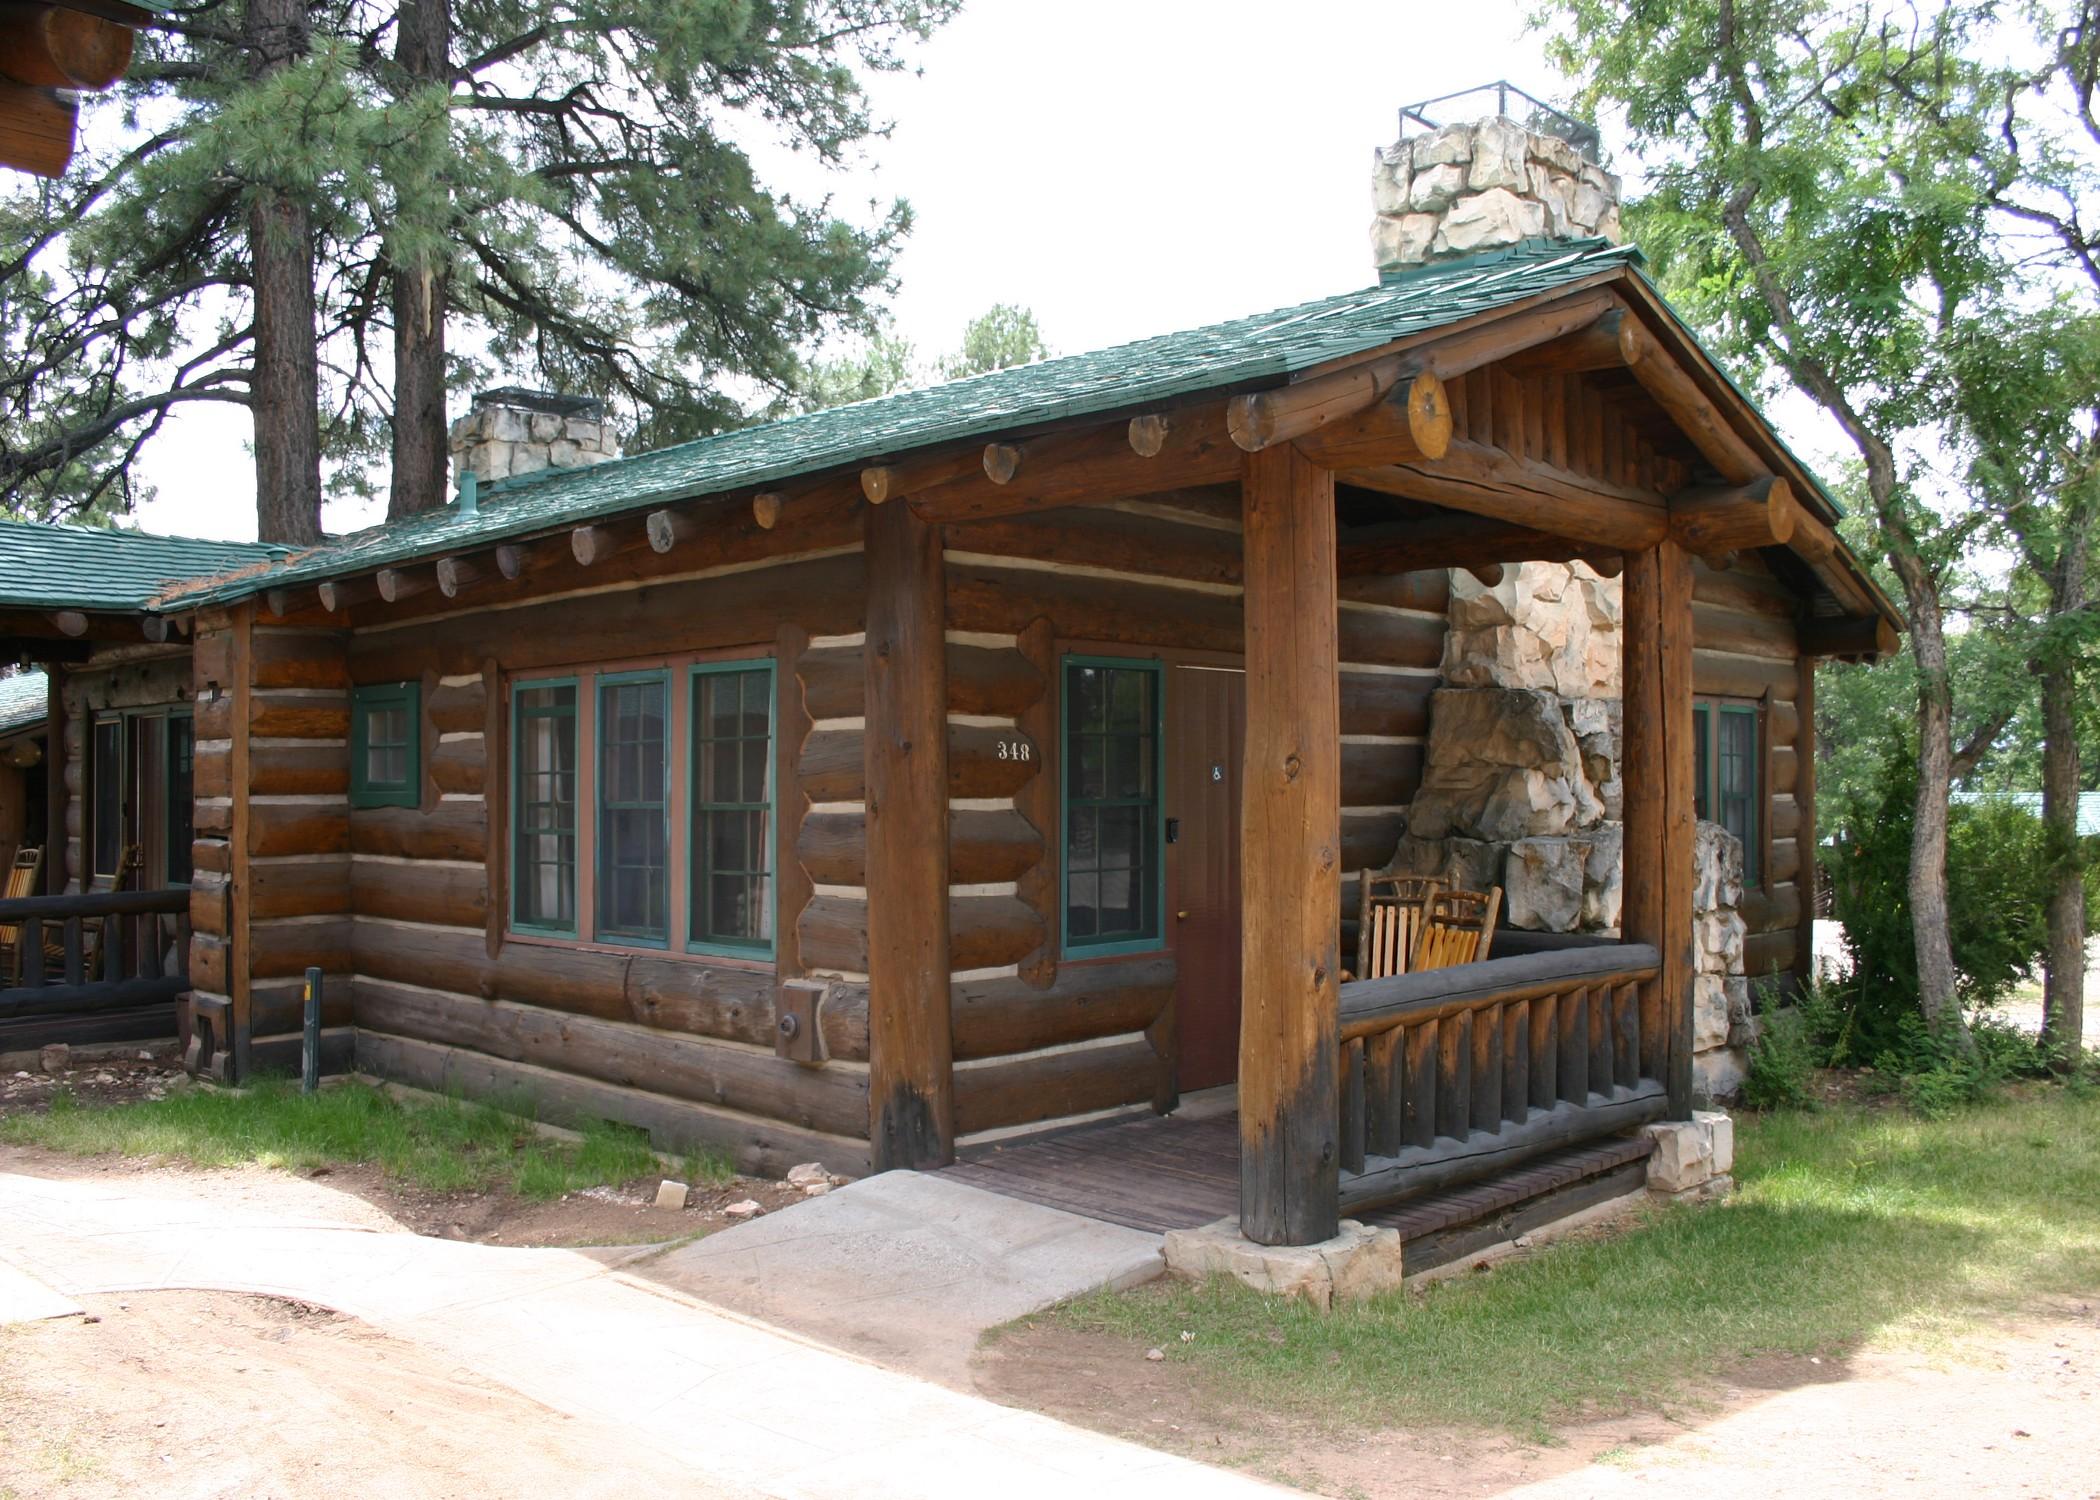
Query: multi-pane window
x: 634, y: 795
x: 641, y: 807
x: 543, y: 871
x: 1112, y: 867
x: 732, y: 809
x: 1728, y: 766
x: 383, y: 745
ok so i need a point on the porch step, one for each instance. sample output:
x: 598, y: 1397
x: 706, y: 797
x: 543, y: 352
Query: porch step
x: 1160, y: 1173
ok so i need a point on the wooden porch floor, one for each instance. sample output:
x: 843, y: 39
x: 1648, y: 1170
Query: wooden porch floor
x: 1161, y: 1172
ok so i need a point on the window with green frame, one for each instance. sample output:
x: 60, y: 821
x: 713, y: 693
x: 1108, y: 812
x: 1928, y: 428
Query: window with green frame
x: 1726, y: 740
x: 385, y: 746
x: 634, y: 807
x: 730, y: 892
x: 1113, y: 876
x: 543, y: 806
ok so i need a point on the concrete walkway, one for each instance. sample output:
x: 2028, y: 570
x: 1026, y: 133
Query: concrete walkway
x: 750, y: 1410
x: 907, y: 1268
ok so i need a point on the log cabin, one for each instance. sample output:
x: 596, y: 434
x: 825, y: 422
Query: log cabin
x: 906, y: 783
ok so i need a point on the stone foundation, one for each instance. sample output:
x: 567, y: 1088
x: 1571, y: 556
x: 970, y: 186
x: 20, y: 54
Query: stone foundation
x: 1693, y: 1158
x: 1357, y: 1264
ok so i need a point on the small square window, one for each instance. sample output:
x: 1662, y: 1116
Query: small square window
x: 385, y: 745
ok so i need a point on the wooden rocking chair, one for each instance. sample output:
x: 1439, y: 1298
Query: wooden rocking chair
x: 21, y: 881
x: 1389, y: 917
x: 129, y: 865
x: 1457, y: 928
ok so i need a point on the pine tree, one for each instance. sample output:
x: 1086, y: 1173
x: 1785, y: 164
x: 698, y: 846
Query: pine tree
x: 562, y: 191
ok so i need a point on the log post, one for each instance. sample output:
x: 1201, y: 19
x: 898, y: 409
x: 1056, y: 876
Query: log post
x: 1290, y: 855
x: 911, y: 1086
x: 55, y: 850
x: 1657, y: 772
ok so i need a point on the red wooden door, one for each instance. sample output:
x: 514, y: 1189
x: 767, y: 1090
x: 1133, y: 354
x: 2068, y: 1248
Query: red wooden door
x: 1206, y: 727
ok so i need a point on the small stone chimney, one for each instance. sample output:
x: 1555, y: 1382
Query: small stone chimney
x: 1521, y: 170
x: 511, y: 431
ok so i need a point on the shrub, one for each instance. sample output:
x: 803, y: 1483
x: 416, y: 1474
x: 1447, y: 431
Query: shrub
x: 1786, y: 1051
x: 1998, y: 872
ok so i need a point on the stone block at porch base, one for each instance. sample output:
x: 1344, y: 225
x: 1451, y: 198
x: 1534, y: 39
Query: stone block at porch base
x: 1693, y: 1158
x: 1356, y: 1264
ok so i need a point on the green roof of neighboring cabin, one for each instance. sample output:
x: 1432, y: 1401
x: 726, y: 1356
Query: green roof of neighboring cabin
x: 94, y: 567
x: 25, y: 701
x: 1263, y: 348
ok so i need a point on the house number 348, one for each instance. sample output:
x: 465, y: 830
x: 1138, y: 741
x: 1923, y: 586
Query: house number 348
x: 1015, y: 750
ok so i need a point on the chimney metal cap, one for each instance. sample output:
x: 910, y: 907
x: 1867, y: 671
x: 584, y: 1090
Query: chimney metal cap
x: 523, y: 398
x: 1494, y: 99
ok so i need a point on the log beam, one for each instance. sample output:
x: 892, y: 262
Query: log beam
x: 591, y: 544
x: 1290, y: 860
x: 1410, y: 425
x: 1730, y: 518
x: 1486, y: 481
x: 1455, y: 541
x: 399, y: 583
x: 1093, y: 465
x: 37, y: 128
x: 911, y: 1082
x: 908, y: 476
x: 339, y: 594
x: 456, y: 573
x: 511, y: 558
x: 1867, y: 636
x: 1658, y: 773
x: 47, y: 46
x: 70, y: 623
x: 766, y: 507
x: 1612, y: 342
x: 667, y: 528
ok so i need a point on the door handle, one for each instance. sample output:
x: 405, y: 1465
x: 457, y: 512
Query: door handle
x: 1181, y: 916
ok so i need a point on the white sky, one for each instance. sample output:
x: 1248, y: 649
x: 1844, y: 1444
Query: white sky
x: 1123, y: 167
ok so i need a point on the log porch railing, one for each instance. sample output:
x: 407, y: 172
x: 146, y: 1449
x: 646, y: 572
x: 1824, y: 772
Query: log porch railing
x: 1450, y: 1075
x: 132, y: 964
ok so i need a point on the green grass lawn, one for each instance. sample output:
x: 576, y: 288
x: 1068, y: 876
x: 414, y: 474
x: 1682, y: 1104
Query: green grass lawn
x: 1849, y: 1224
x: 441, y: 1145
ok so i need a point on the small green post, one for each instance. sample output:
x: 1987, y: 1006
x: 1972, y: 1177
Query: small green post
x: 310, y: 1049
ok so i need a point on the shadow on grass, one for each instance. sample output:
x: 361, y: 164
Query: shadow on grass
x: 1846, y: 1226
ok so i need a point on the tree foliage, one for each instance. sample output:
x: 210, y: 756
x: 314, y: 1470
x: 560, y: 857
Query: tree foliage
x: 1000, y: 338
x: 580, y: 190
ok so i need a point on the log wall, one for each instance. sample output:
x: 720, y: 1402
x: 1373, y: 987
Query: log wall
x: 681, y: 1046
x: 1745, y: 648
x: 1037, y: 1040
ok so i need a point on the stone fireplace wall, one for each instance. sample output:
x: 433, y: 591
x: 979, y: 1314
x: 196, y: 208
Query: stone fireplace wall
x: 1520, y: 783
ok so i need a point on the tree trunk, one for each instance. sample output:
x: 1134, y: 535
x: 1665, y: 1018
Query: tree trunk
x: 419, y: 441
x: 1928, y: 839
x: 286, y: 383
x: 2063, y: 992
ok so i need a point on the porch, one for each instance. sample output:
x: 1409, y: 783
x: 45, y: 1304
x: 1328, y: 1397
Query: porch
x: 93, y: 967
x: 1477, y: 1100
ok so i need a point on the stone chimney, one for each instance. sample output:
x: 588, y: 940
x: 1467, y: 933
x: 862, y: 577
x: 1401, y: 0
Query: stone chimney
x: 1446, y: 190
x: 511, y: 431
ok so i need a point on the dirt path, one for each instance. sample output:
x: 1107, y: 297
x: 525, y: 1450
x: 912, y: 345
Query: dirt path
x: 193, y: 1394
x: 2012, y: 1413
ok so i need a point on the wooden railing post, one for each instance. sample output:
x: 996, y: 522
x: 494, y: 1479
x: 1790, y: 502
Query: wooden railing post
x: 1290, y: 856
x: 1657, y: 769
x: 911, y: 1082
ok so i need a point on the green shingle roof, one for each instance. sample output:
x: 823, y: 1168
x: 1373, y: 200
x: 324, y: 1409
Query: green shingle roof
x: 1260, y: 349
x: 92, y: 567
x: 25, y: 700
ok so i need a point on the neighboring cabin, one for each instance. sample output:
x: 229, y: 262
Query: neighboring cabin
x: 881, y: 783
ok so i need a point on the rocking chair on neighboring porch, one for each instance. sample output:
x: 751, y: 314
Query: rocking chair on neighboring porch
x: 1457, y: 928
x: 21, y: 881
x: 1389, y: 919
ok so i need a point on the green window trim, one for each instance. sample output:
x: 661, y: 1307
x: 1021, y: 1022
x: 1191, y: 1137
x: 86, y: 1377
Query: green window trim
x: 702, y: 810
x: 520, y: 714
x: 1729, y: 736
x: 378, y: 704
x: 605, y: 809
x: 1151, y: 936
